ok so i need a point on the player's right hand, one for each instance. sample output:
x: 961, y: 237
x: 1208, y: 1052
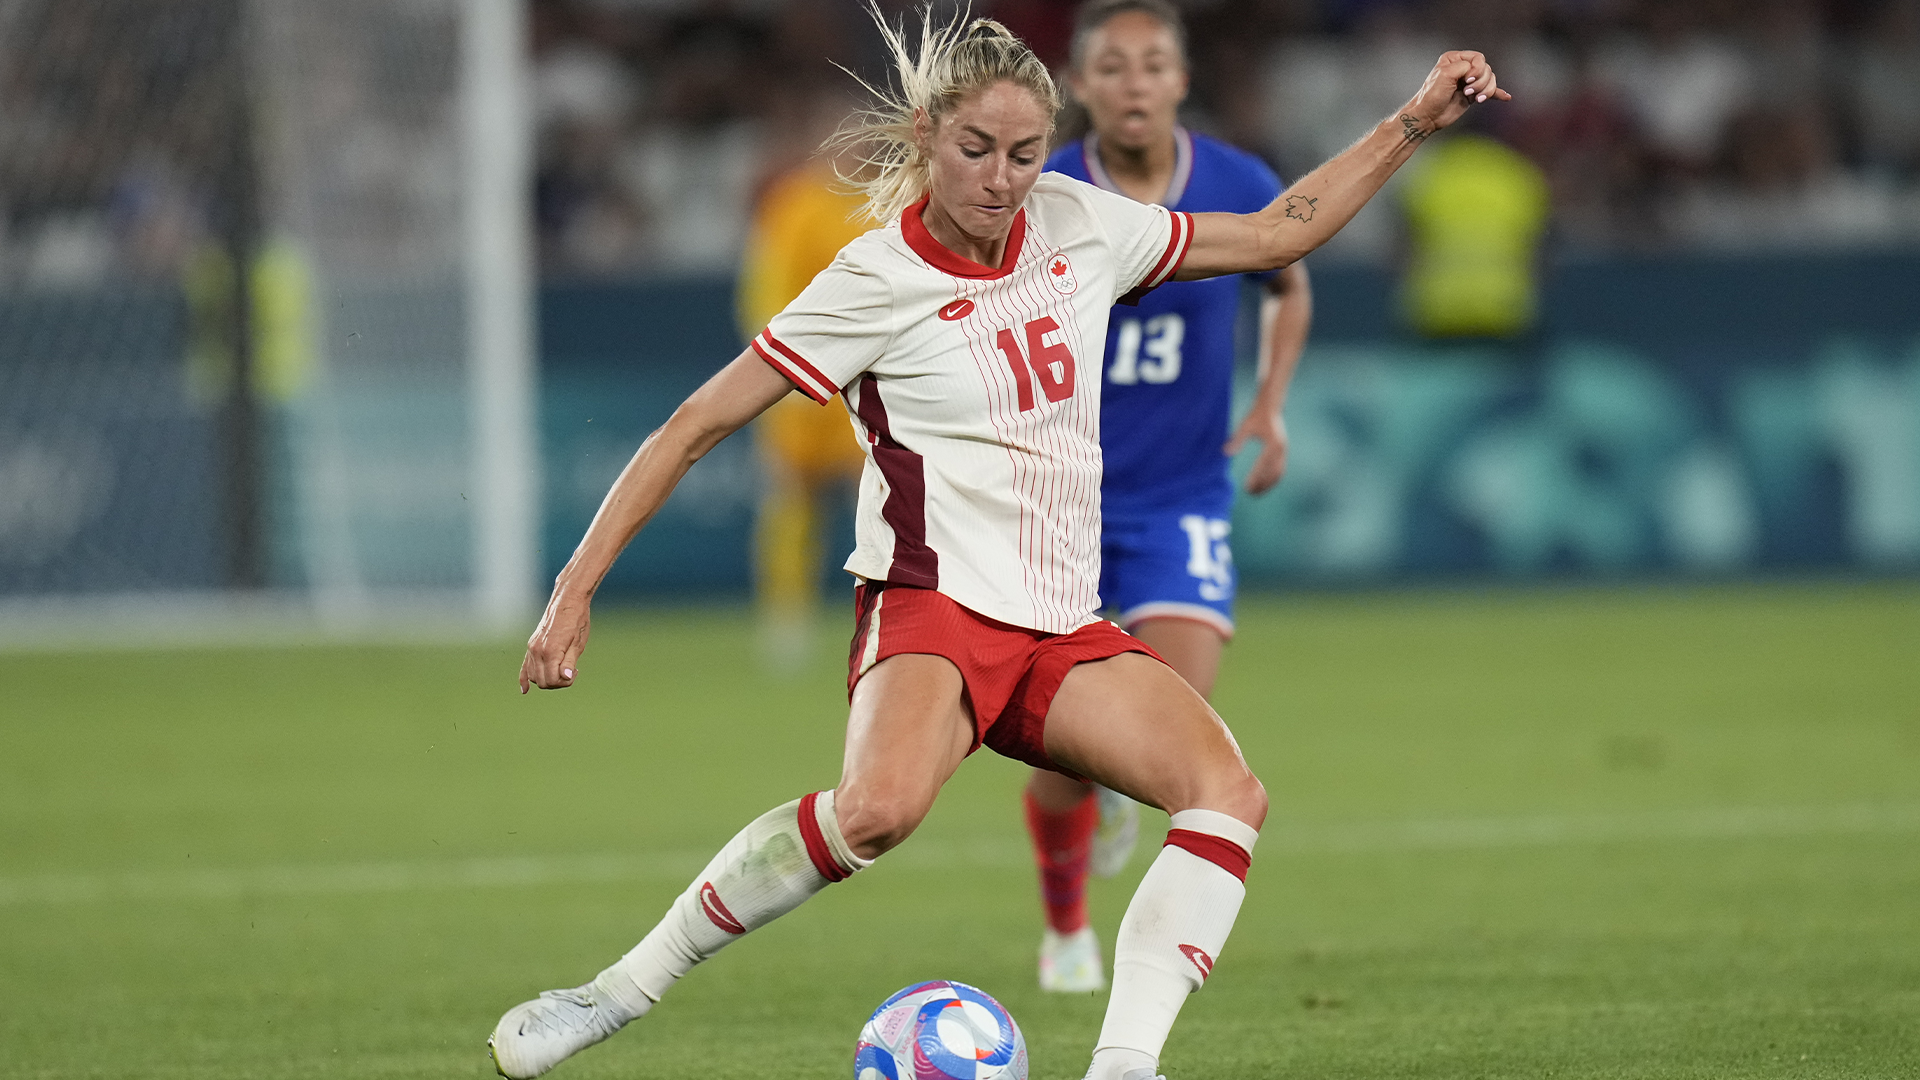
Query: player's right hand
x: 553, y: 652
x: 1458, y: 81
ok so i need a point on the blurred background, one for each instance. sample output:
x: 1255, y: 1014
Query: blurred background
x: 328, y: 322
x: 347, y: 313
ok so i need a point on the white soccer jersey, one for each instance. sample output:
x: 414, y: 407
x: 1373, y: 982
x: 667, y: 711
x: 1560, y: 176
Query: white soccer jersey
x: 976, y: 392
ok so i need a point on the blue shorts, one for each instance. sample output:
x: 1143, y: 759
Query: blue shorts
x: 1168, y: 564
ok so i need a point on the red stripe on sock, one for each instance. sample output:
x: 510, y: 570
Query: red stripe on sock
x: 1063, y: 846
x: 816, y: 841
x: 1219, y: 851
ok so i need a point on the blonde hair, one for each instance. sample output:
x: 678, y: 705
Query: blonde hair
x: 954, y: 61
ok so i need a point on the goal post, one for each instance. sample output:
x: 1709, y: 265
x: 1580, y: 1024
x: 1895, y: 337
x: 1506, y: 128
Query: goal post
x: 497, y: 122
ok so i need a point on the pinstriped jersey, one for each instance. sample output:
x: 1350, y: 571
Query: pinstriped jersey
x: 976, y: 393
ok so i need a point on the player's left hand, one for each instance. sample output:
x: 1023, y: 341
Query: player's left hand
x: 1271, y: 465
x: 1458, y: 81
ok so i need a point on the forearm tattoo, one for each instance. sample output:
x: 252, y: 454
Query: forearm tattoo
x: 1300, y: 208
x: 1412, y: 128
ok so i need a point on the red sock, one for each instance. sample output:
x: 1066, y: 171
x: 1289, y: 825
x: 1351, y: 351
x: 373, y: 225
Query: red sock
x: 1063, y: 845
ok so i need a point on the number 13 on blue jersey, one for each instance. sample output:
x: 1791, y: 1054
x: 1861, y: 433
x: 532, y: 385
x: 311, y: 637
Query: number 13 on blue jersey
x: 1147, y: 351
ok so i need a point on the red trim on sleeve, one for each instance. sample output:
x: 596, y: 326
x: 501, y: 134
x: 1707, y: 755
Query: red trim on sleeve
x: 1186, y: 244
x: 816, y: 841
x: 1179, y: 240
x: 1177, y: 227
x: 800, y: 360
x: 1219, y: 851
x: 792, y: 367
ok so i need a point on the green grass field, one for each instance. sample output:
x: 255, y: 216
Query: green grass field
x: 1641, y: 833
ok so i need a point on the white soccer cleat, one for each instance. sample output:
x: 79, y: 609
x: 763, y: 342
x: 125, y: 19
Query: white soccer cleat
x: 1116, y: 835
x: 536, y: 1035
x: 1150, y: 1072
x: 1070, y: 963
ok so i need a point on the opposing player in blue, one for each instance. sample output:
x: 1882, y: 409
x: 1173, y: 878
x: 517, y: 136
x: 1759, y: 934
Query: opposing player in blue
x: 1165, y: 415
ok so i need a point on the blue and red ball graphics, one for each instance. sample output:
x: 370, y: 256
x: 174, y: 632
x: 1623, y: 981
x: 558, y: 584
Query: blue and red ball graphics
x: 940, y: 1031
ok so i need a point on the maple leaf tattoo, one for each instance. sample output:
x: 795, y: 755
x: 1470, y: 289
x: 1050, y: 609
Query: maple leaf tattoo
x: 1301, y: 208
x: 1412, y: 127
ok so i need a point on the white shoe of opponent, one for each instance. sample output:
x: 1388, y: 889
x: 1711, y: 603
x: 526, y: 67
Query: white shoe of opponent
x: 536, y: 1035
x: 1116, y: 835
x: 1070, y: 963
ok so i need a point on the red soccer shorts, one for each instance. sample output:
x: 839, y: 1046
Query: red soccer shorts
x: 1011, y: 673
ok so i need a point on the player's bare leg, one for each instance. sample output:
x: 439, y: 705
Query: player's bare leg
x: 908, y: 731
x: 906, y: 734
x: 1080, y: 830
x: 1132, y: 724
x: 1190, y: 647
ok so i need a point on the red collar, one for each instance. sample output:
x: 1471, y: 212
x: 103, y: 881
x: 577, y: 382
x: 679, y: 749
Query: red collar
x: 940, y: 258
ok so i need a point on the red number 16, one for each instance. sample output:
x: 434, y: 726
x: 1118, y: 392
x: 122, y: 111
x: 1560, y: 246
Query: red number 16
x: 1052, y: 364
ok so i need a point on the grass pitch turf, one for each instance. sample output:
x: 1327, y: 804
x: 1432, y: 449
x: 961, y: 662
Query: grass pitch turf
x: 1643, y: 833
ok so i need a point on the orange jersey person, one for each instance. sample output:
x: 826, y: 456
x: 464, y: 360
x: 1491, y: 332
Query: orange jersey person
x: 802, y: 222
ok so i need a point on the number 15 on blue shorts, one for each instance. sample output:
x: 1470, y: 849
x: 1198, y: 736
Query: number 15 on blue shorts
x: 1168, y: 564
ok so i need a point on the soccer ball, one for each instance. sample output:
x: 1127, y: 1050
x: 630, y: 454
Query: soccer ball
x: 940, y: 1031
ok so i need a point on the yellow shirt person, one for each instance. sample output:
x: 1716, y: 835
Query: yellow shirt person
x: 802, y: 222
x: 1476, y: 211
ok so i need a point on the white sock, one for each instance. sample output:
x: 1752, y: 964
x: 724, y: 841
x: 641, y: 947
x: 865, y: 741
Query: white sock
x: 769, y: 868
x: 1170, y: 937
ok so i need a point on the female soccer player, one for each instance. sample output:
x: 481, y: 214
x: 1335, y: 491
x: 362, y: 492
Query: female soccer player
x: 1165, y: 402
x: 956, y: 335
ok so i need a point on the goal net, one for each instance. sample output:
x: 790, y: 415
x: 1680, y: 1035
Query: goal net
x: 264, y: 315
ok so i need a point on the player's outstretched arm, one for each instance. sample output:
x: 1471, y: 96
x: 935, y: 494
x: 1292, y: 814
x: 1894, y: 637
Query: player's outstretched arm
x: 1307, y: 214
x: 741, y: 391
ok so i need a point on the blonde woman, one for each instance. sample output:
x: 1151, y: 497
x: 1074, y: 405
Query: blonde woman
x: 956, y: 333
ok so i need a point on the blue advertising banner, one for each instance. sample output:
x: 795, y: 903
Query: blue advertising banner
x: 1700, y: 417
x: 1669, y: 417
x: 1597, y: 457
x: 615, y: 361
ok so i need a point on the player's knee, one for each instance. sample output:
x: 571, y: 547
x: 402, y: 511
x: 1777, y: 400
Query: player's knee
x: 875, y: 821
x: 1251, y: 801
x: 1239, y: 795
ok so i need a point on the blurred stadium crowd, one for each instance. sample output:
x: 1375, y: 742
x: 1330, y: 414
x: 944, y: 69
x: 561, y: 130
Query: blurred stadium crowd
x: 1699, y: 123
x: 1704, y: 124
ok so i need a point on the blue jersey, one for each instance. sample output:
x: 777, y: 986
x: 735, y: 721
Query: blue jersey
x: 1167, y: 398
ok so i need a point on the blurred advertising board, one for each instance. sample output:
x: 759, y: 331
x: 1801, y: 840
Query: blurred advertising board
x: 1669, y: 417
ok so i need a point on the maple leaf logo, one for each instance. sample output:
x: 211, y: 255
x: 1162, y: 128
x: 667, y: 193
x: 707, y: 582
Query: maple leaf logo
x: 1061, y: 269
